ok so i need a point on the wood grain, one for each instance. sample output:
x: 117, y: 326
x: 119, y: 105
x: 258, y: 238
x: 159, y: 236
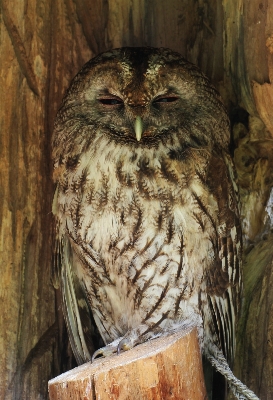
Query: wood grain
x: 165, y: 368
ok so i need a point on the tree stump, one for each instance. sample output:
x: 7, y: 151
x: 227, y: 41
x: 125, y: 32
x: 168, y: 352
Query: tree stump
x: 169, y: 367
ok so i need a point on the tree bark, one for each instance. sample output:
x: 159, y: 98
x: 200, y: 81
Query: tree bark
x: 43, y: 45
x: 169, y: 367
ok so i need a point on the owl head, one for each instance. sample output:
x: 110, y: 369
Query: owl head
x: 139, y: 97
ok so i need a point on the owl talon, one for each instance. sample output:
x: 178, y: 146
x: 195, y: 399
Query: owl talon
x: 97, y: 353
x: 124, y: 345
x: 106, y: 351
x: 102, y: 352
x: 113, y: 348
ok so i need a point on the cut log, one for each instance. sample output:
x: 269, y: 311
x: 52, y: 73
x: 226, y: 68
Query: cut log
x: 165, y: 368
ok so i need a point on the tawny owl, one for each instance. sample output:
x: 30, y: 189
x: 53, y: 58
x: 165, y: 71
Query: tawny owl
x: 146, y: 209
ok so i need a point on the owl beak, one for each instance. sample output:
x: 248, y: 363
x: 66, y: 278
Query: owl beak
x: 138, y: 128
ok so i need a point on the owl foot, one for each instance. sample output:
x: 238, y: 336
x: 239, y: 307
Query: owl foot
x: 109, y: 350
x: 125, y: 344
x: 130, y: 340
x: 121, y: 344
x: 142, y: 334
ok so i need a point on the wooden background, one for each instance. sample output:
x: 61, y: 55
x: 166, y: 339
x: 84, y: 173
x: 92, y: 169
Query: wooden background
x: 43, y: 45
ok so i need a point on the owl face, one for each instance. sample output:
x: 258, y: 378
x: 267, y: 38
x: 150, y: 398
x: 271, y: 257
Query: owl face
x: 140, y: 97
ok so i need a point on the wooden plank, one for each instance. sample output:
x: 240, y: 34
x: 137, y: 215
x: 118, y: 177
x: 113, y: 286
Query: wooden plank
x: 165, y: 368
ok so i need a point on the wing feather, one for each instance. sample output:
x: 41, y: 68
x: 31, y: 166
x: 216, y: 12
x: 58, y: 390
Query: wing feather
x: 75, y: 307
x: 225, y: 275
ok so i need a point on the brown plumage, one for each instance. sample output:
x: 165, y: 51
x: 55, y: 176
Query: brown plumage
x: 146, y: 208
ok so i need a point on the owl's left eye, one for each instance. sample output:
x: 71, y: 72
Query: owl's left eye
x: 110, y: 101
x: 166, y: 99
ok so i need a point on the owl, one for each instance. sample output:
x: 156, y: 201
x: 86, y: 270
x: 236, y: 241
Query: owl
x: 146, y: 209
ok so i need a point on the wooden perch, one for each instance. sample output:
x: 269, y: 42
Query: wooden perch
x: 166, y: 368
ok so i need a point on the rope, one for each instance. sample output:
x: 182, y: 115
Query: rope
x: 219, y: 362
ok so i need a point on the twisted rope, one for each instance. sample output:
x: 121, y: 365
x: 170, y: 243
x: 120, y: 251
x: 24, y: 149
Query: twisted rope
x: 219, y: 362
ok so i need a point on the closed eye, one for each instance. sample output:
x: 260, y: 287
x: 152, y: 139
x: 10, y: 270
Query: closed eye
x: 166, y: 99
x: 110, y: 101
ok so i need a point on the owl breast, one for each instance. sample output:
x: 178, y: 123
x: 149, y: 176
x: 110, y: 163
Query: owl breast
x: 142, y: 227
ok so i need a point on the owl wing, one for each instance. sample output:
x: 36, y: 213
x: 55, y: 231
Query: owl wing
x: 224, y: 276
x: 77, y: 314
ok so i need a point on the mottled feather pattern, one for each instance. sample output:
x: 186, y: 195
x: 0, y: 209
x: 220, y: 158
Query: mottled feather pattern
x: 153, y: 224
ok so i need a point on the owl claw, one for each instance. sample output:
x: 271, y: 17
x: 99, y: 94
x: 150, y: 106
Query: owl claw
x: 105, y: 351
x: 124, y: 345
x: 113, y: 348
x: 97, y: 353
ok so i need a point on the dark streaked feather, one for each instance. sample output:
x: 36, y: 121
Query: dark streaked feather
x: 225, y: 274
x: 75, y: 308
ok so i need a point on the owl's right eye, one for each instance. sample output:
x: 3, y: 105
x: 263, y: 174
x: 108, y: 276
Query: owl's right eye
x: 110, y: 101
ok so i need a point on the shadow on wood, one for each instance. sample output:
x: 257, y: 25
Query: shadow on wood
x: 165, y: 368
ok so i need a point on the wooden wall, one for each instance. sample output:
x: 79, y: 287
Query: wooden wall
x: 43, y: 45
